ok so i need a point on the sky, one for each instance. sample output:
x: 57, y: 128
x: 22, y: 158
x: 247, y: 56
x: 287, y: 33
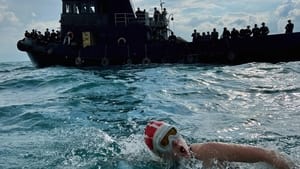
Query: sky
x: 16, y: 16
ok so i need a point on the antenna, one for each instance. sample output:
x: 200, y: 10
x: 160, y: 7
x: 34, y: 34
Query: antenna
x: 161, y: 5
x: 132, y: 5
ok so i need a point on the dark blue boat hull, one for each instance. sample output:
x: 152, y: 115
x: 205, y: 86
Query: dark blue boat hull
x: 272, y: 48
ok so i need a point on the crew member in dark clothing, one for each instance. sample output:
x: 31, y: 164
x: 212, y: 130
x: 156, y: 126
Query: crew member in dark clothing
x: 138, y: 12
x: 140, y: 15
x: 248, y: 32
x: 255, y: 31
x: 39, y: 36
x: 156, y: 15
x: 264, y: 30
x: 203, y: 36
x: 235, y: 34
x: 164, y: 15
x: 172, y: 38
x: 214, y: 34
x: 52, y: 36
x: 34, y: 34
x: 289, y: 27
x: 242, y: 33
x: 57, y: 37
x: 226, y: 34
x: 27, y: 34
x: 47, y: 34
x: 195, y: 35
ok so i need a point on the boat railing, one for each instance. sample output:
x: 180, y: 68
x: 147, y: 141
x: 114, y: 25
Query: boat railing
x: 124, y: 18
x: 128, y: 18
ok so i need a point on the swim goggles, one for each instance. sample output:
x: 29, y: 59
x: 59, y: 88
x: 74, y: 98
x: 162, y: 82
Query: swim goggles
x: 169, y: 137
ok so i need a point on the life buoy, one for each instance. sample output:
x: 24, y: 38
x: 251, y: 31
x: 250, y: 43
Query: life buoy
x: 146, y: 61
x: 104, y: 61
x: 78, y: 61
x: 129, y: 61
x: 122, y: 41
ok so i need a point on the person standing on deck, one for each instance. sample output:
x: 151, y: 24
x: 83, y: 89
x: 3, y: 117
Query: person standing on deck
x: 264, y: 30
x: 195, y: 36
x: 214, y: 34
x: 255, y: 31
x: 289, y: 27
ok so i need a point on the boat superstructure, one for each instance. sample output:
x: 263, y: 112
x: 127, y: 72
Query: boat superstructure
x: 112, y: 32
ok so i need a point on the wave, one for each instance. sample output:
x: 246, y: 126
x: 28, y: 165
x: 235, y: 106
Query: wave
x: 61, y: 117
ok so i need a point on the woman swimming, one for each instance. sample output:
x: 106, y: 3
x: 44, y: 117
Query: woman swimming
x: 165, y: 141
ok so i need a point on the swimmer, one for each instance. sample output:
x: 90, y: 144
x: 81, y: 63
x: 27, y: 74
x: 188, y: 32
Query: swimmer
x: 165, y: 141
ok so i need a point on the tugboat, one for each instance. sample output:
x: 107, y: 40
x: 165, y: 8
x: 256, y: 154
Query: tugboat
x: 112, y: 32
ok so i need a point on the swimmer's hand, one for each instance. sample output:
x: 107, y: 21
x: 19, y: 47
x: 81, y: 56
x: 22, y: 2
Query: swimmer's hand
x: 277, y: 160
x: 238, y: 153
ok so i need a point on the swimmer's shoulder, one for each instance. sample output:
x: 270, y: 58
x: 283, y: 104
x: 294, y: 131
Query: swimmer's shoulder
x: 209, y: 150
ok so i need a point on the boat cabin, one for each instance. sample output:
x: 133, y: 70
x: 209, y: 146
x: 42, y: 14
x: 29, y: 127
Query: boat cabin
x: 106, y: 21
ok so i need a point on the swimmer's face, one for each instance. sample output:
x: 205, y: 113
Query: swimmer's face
x: 180, y: 148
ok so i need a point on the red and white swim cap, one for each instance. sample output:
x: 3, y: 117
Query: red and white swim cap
x: 154, y: 132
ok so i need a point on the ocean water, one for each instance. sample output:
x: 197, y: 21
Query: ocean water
x: 94, y: 118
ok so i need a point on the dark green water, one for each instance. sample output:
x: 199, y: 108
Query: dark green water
x: 72, y: 118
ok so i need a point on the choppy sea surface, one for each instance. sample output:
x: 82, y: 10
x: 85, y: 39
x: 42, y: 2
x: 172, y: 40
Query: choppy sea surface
x: 94, y: 118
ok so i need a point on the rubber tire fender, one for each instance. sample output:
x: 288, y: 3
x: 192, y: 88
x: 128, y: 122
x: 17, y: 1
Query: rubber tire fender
x: 104, y: 61
x: 146, y: 61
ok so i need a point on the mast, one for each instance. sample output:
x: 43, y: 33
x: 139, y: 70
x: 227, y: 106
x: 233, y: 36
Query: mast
x: 161, y: 5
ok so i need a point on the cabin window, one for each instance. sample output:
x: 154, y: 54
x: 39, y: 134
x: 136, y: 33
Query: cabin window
x: 76, y: 9
x: 68, y: 8
x: 84, y: 8
x: 88, y: 8
x: 79, y: 8
x: 92, y: 8
x: 72, y: 8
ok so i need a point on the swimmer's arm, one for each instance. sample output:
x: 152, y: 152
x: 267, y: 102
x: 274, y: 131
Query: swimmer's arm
x: 237, y: 153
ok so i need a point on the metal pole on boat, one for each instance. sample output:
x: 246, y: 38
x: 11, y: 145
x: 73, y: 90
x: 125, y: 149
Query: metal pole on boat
x: 128, y: 51
x: 105, y: 51
x: 161, y: 5
x: 146, y: 55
